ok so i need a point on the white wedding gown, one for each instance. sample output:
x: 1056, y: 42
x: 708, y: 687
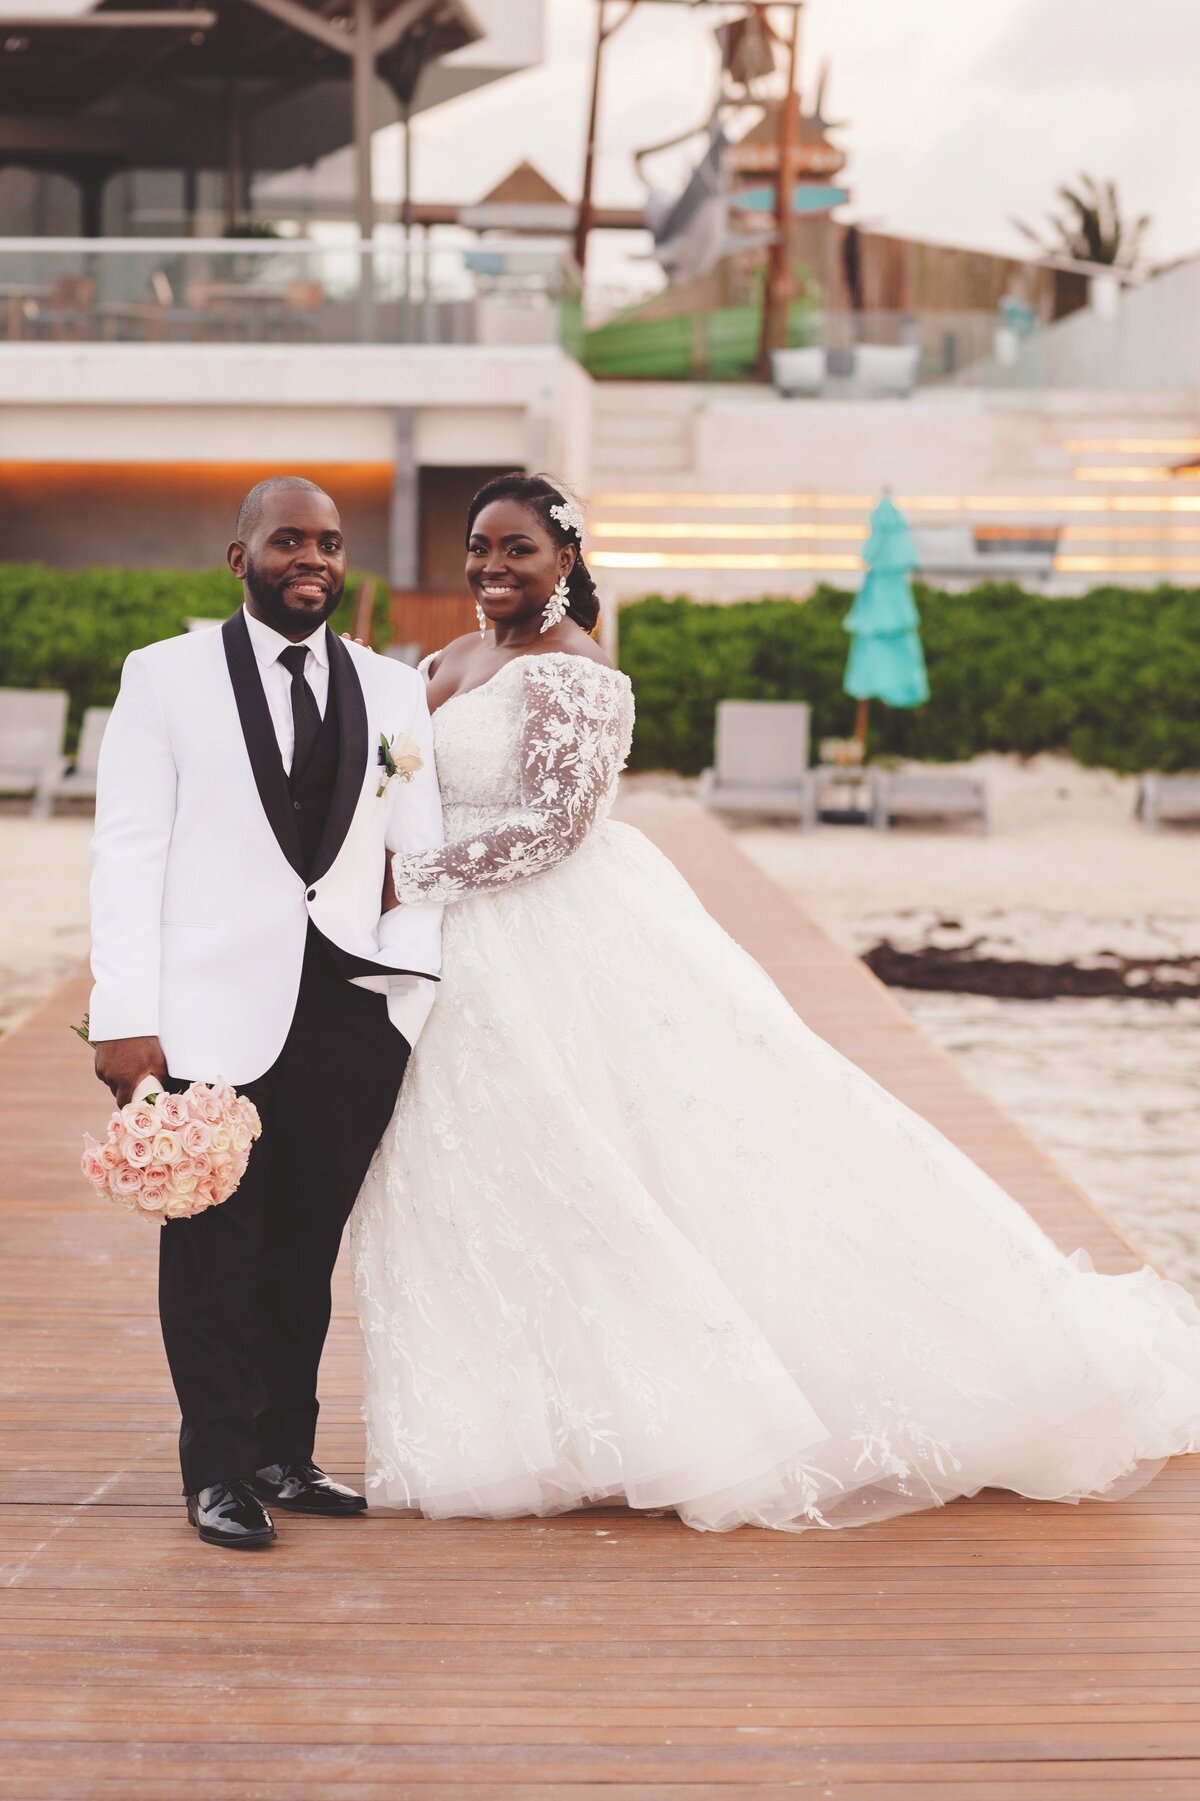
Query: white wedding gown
x: 636, y: 1233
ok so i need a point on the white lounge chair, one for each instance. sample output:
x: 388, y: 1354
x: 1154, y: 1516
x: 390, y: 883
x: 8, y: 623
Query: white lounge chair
x: 761, y: 761
x: 32, y: 722
x: 1175, y: 798
x: 78, y: 780
x: 867, y: 370
x: 927, y: 797
x: 799, y: 371
x: 885, y: 368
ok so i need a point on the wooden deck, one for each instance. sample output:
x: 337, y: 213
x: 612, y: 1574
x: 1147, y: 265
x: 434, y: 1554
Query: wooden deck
x: 992, y: 1651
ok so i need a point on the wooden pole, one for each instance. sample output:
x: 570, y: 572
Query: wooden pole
x: 583, y: 221
x: 233, y: 155
x: 406, y: 221
x: 777, y: 287
x: 586, y: 213
x: 860, y: 725
x: 407, y: 211
x: 364, y: 197
x: 199, y: 18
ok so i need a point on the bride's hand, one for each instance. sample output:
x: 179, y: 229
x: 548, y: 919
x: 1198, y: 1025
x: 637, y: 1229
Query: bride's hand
x: 350, y: 639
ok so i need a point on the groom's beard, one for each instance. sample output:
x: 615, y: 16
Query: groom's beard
x: 273, y: 607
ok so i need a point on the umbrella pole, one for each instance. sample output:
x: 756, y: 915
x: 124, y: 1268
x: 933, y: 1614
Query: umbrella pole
x: 860, y: 725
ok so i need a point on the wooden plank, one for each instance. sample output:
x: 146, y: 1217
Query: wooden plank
x: 990, y: 1651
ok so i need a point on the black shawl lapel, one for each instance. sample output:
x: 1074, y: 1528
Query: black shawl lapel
x: 352, y: 753
x: 261, y: 742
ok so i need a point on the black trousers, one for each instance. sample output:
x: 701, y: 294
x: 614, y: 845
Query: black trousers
x: 244, y: 1288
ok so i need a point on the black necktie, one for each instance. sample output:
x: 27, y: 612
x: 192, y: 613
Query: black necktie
x: 306, y: 715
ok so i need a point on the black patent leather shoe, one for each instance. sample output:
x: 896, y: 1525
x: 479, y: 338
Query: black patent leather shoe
x: 230, y: 1513
x: 303, y: 1488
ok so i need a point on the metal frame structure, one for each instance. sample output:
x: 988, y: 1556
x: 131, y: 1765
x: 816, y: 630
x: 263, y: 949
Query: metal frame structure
x: 778, y: 287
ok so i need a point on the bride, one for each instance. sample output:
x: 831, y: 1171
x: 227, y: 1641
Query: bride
x: 635, y: 1233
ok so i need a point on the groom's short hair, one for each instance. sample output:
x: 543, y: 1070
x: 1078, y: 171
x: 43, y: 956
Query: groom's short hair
x: 251, y: 510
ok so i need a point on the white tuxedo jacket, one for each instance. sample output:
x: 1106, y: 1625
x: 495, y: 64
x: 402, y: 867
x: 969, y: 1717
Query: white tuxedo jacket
x: 200, y: 906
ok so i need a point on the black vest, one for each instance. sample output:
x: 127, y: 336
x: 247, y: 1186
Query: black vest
x: 311, y: 787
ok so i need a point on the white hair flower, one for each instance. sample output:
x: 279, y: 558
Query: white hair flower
x: 570, y: 516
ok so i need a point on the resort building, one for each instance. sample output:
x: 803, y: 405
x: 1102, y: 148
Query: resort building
x: 185, y: 305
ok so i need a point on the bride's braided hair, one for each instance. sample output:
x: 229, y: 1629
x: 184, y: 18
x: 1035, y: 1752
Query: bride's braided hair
x: 540, y: 494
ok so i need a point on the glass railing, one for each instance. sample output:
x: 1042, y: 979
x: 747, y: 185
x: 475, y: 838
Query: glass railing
x: 339, y: 290
x: 850, y: 353
x: 945, y: 342
x: 830, y: 354
x: 290, y: 291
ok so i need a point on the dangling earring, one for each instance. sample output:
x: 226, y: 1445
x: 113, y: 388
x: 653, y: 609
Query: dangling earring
x: 555, y: 608
x: 483, y: 620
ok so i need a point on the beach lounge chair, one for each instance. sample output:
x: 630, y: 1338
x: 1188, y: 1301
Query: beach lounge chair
x: 800, y: 371
x: 1175, y: 798
x: 885, y: 368
x: 78, y: 780
x: 761, y: 761
x: 32, y: 722
x: 927, y: 797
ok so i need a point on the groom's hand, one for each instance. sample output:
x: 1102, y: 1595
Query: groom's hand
x: 122, y: 1062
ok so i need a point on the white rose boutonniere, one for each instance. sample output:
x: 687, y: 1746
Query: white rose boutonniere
x: 398, y: 756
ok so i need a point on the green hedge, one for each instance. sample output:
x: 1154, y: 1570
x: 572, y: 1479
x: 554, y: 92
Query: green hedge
x: 73, y: 628
x: 1113, y: 677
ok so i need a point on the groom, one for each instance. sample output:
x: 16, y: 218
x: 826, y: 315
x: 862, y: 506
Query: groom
x: 245, y: 812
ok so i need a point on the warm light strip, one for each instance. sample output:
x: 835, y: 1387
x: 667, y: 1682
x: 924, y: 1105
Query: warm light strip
x: 1136, y: 446
x: 748, y: 561
x: 838, y: 502
x: 1073, y: 565
x: 714, y: 559
x: 698, y: 531
x: 1145, y: 534
x: 916, y: 503
x: 699, y: 528
x: 1130, y: 472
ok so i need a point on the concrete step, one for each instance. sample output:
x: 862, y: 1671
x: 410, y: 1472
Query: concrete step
x: 627, y: 429
x: 619, y: 460
x: 641, y: 429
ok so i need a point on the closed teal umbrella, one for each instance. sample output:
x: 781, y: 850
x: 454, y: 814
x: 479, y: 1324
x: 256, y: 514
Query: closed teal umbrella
x: 886, y: 661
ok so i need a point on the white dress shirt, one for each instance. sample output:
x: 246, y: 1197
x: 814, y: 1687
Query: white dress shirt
x: 277, y: 678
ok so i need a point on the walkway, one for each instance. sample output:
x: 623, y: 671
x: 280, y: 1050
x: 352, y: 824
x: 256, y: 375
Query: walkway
x: 995, y: 1651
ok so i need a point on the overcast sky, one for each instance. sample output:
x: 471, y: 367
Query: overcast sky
x: 960, y: 112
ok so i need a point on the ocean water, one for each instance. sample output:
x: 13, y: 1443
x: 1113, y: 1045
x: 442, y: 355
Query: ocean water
x: 1111, y: 1088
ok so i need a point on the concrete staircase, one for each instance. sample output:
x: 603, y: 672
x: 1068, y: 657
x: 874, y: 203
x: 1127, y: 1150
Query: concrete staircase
x: 641, y: 431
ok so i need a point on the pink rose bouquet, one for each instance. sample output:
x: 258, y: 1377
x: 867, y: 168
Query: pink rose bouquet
x: 170, y: 1156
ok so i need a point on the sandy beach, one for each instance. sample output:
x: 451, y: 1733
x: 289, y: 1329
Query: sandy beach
x: 1066, y: 878
x: 43, y: 907
x: 1066, y: 873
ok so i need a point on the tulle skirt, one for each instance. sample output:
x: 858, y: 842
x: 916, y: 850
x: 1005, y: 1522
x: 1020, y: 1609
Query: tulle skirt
x: 636, y: 1233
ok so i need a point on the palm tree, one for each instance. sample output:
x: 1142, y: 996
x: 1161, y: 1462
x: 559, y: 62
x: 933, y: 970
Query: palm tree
x: 1090, y: 227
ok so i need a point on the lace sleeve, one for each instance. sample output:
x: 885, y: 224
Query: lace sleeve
x: 575, y: 731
